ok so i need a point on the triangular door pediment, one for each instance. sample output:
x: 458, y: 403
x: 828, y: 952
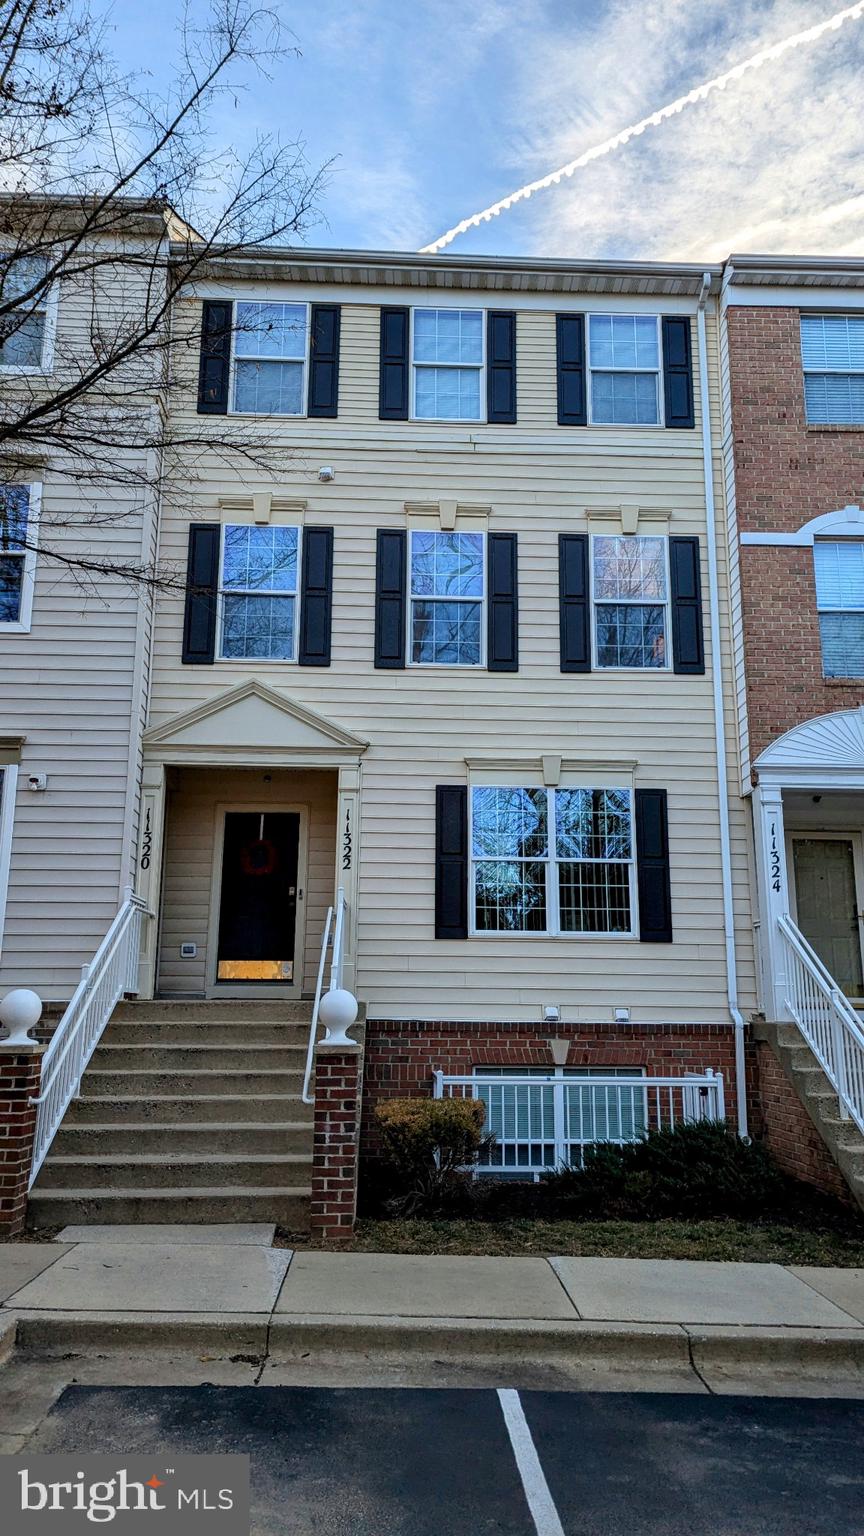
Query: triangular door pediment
x: 250, y: 719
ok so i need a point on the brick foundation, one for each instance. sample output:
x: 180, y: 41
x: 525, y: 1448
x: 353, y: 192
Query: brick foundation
x: 401, y: 1057
x: 790, y: 1134
x: 335, y: 1145
x: 19, y: 1082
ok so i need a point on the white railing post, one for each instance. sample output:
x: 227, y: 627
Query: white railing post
x: 336, y: 919
x: 559, y: 1130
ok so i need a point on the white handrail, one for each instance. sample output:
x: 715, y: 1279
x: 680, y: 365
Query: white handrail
x: 826, y: 1019
x: 111, y: 973
x: 334, y: 932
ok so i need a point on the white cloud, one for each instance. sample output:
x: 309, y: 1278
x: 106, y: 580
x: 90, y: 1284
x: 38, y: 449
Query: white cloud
x: 772, y: 162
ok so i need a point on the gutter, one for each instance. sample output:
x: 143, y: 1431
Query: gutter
x: 719, y: 715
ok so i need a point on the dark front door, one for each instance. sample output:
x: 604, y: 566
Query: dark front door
x: 258, y: 904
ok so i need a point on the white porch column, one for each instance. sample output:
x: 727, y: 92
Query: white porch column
x: 772, y: 878
x: 347, y: 852
x: 149, y: 883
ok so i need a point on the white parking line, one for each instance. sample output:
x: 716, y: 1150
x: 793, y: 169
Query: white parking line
x: 540, y: 1501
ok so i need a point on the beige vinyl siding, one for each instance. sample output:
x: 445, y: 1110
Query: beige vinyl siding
x: 190, y: 847
x: 422, y: 724
x: 75, y: 686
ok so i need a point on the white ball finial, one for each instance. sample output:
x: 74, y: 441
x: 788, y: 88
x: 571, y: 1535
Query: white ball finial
x: 20, y: 1011
x: 337, y: 1013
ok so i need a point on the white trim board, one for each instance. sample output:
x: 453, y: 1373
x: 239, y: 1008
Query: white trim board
x: 846, y: 522
x: 8, y: 786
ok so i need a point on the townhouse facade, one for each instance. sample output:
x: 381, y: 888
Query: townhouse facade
x: 74, y: 645
x: 793, y: 334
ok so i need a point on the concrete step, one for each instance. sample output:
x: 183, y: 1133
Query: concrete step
x: 180, y: 1058
x: 169, y: 1138
x: 154, y: 1033
x: 188, y: 1084
x: 168, y: 1109
x: 289, y: 1207
x: 214, y: 1010
x: 175, y: 1171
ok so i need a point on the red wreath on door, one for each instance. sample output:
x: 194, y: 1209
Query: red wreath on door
x: 259, y: 857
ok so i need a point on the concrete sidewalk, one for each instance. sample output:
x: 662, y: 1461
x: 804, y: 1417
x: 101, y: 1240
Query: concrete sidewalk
x: 241, y: 1298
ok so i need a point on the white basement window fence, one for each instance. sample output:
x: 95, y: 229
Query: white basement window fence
x: 447, y: 597
x: 630, y: 587
x: 270, y: 346
x: 447, y: 355
x: 832, y: 350
x: 624, y: 365
x: 552, y: 861
x: 259, y: 592
x: 839, y: 568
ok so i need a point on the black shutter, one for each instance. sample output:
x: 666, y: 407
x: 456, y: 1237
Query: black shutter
x: 202, y: 587
x: 501, y: 365
x: 391, y: 575
x: 574, y: 605
x: 688, y: 650
x: 652, y: 866
x: 451, y: 861
x: 570, y: 352
x: 215, y: 361
x: 393, y: 378
x: 324, y: 361
x: 677, y: 371
x: 316, y: 597
x: 502, y: 579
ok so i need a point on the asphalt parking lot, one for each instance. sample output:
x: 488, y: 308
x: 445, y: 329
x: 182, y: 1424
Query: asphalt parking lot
x: 389, y: 1462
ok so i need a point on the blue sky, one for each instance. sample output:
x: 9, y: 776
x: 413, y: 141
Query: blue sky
x: 435, y: 108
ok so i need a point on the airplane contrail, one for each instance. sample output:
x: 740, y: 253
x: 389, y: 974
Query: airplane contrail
x: 699, y: 92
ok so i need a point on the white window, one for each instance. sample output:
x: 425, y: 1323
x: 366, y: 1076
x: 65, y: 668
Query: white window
x: 832, y: 350
x: 270, y: 347
x: 447, y: 356
x: 630, y: 586
x: 259, y: 592
x: 25, y: 333
x: 552, y: 861
x: 8, y: 777
x: 447, y: 599
x: 840, y: 600
x: 624, y: 368
x: 19, y: 508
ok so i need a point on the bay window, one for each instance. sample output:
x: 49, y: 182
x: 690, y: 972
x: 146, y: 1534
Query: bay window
x: 552, y: 861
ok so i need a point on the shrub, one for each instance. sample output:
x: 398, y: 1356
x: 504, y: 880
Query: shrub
x: 697, y: 1171
x: 432, y: 1146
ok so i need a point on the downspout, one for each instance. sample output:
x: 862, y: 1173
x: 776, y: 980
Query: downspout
x: 719, y: 715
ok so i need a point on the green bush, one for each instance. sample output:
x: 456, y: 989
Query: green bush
x: 432, y: 1146
x: 695, y: 1172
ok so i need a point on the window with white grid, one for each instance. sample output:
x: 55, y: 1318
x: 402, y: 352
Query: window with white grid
x: 447, y: 364
x: 624, y: 369
x: 270, y: 343
x: 447, y: 598
x: 259, y: 592
x: 18, y: 511
x: 630, y: 590
x: 839, y: 567
x: 558, y: 862
x: 24, y: 330
x: 832, y: 351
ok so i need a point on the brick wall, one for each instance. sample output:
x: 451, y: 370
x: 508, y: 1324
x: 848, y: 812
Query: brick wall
x: 19, y: 1083
x: 786, y: 473
x: 401, y: 1057
x: 789, y: 1132
x: 335, y: 1141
